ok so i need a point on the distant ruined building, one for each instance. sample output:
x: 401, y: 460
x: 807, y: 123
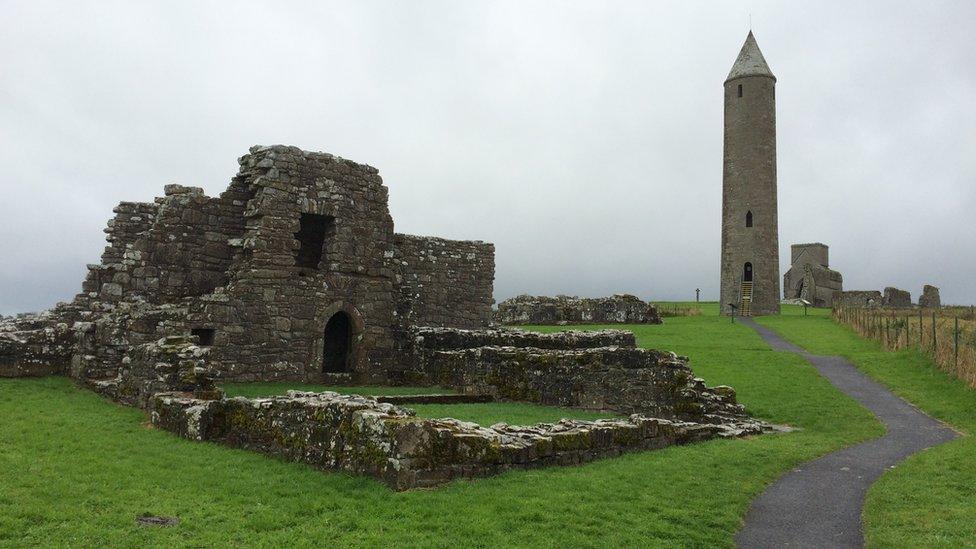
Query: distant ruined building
x: 750, y: 235
x: 810, y: 277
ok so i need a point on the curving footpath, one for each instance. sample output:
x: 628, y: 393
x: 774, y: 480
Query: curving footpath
x: 818, y: 504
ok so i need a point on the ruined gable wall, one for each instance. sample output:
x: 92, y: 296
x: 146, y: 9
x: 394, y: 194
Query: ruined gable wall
x: 270, y: 319
x: 443, y: 282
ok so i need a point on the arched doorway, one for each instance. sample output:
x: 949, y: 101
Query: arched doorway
x: 337, y: 345
x: 747, y: 273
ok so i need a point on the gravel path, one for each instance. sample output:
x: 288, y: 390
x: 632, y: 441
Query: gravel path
x: 819, y: 503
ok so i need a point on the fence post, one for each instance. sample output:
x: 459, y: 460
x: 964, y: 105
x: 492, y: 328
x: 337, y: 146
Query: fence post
x: 934, y: 349
x: 921, y: 330
x: 955, y: 346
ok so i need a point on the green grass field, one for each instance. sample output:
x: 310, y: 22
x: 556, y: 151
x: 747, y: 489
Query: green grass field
x: 76, y: 469
x: 930, y: 499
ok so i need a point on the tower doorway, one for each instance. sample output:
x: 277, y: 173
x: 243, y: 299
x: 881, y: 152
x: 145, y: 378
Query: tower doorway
x: 337, y: 345
x: 747, y: 273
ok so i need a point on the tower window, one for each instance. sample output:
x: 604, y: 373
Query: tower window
x: 749, y: 219
x: 313, y: 228
x: 740, y: 90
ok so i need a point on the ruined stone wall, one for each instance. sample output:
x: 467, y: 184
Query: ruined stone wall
x: 896, y: 299
x: 121, y: 270
x: 623, y: 380
x: 930, y: 298
x: 298, y: 239
x: 857, y: 298
x: 34, y: 345
x: 174, y: 363
x: 178, y: 246
x: 543, y: 310
x: 358, y: 434
x: 270, y: 319
x: 103, y: 338
x: 448, y: 339
x: 443, y: 282
x: 418, y: 344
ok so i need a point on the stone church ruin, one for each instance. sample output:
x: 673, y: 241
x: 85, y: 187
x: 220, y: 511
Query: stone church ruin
x: 810, y: 278
x: 295, y: 273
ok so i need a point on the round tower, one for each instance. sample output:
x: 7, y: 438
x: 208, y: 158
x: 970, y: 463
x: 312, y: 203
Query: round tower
x: 750, y: 232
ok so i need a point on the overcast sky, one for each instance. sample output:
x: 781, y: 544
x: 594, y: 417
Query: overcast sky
x: 583, y: 139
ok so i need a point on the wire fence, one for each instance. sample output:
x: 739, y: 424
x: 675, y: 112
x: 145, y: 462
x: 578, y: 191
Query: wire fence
x: 947, y: 335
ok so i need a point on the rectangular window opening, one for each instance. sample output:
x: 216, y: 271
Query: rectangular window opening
x: 311, y: 235
x: 740, y: 90
x: 204, y: 335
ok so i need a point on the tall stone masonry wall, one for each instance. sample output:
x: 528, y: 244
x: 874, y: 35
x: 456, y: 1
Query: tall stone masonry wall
x: 443, y: 282
x: 270, y: 318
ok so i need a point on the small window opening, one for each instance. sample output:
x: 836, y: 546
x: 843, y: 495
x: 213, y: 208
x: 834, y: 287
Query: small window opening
x: 749, y: 219
x: 204, y: 335
x: 312, y: 231
x: 740, y: 90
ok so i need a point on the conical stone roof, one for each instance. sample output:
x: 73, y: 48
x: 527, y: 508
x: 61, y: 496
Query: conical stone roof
x: 750, y: 61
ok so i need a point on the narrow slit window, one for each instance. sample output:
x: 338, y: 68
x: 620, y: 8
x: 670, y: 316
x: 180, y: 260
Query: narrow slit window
x: 740, y: 90
x: 311, y: 235
x: 749, y: 219
x: 204, y: 335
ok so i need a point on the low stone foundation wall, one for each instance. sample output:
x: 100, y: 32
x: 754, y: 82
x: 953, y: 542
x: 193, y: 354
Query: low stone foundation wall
x: 623, y: 380
x: 543, y: 310
x: 34, y: 345
x: 360, y: 435
x: 446, y: 339
x: 174, y: 363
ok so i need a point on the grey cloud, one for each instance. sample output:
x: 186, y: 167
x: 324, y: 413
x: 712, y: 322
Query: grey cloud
x: 584, y: 139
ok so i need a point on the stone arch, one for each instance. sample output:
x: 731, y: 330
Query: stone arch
x: 342, y: 333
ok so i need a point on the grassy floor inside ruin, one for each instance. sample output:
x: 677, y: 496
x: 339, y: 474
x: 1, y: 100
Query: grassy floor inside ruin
x: 76, y: 469
x: 513, y: 413
x: 930, y: 499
